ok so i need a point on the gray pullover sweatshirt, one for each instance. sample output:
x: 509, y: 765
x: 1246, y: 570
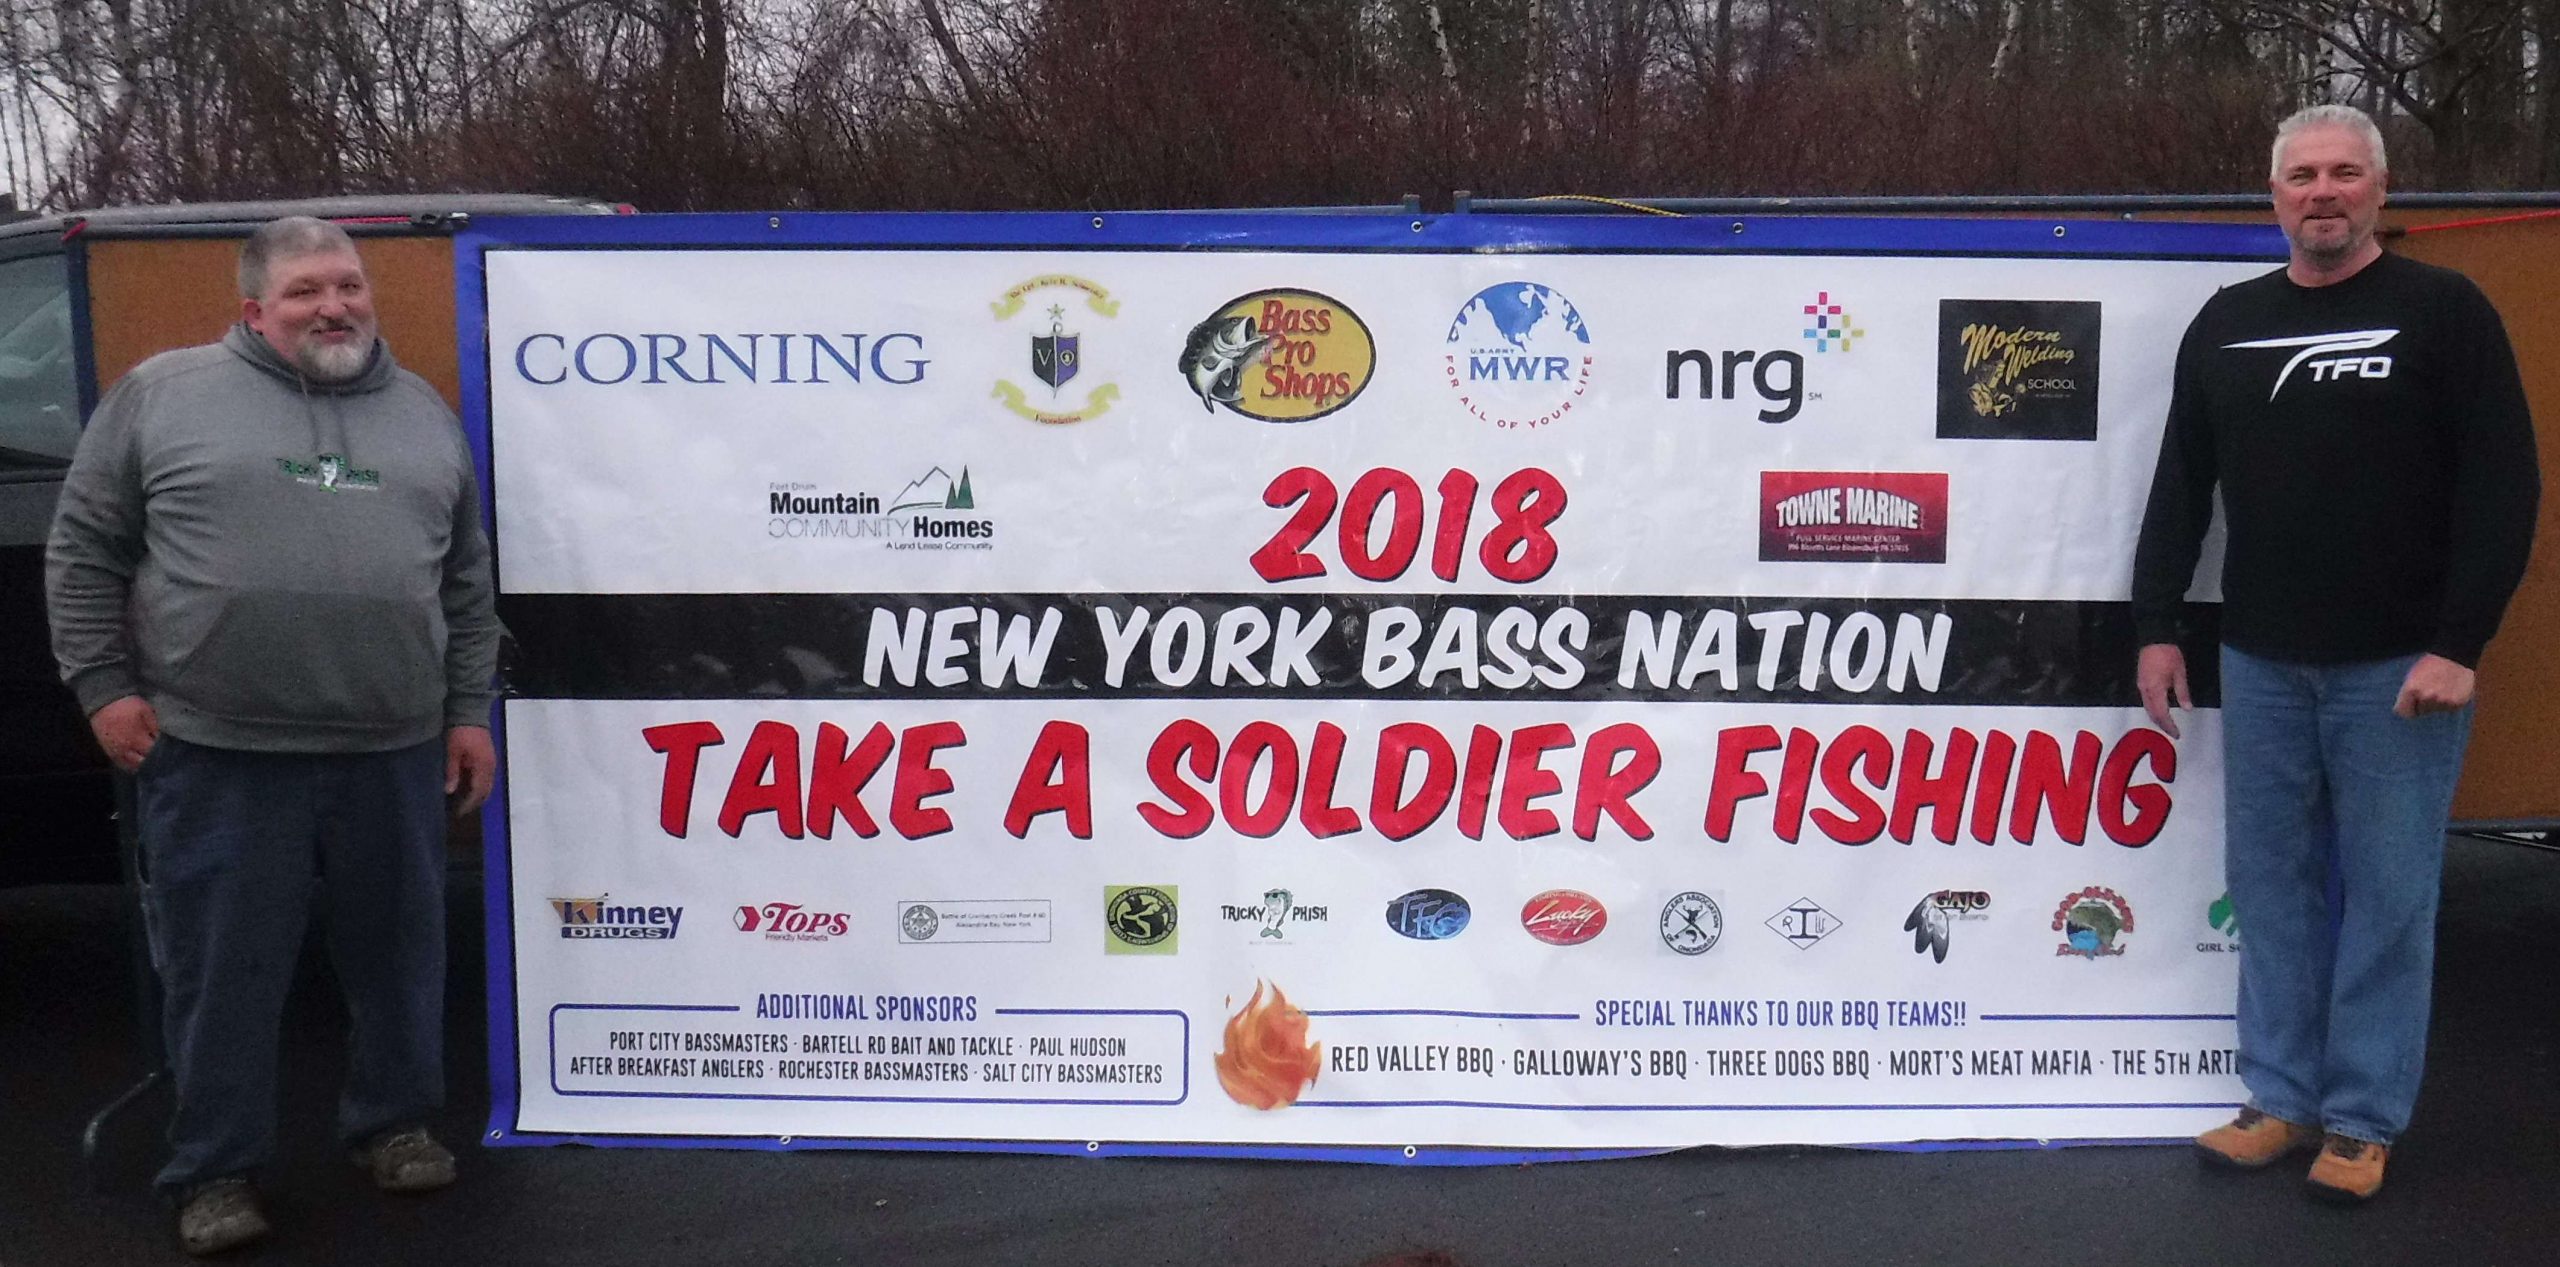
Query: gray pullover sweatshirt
x: 276, y: 565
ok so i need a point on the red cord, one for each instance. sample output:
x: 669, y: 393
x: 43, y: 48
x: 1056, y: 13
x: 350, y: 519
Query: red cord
x: 2488, y: 220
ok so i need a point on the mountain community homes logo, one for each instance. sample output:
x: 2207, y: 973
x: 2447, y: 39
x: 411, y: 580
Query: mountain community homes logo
x: 936, y: 510
x: 1036, y: 316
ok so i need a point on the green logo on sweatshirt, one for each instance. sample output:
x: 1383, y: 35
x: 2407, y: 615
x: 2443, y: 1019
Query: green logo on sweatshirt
x: 330, y: 473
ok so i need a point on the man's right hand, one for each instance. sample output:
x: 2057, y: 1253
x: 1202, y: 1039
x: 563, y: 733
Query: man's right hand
x: 2162, y: 675
x: 126, y: 729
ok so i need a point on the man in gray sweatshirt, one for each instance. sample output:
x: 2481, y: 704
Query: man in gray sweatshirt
x: 270, y: 590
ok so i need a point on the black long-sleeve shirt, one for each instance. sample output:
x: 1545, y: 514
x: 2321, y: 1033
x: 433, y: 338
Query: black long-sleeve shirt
x: 2376, y: 463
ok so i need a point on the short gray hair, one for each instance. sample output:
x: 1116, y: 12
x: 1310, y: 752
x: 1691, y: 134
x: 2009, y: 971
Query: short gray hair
x: 2348, y: 117
x: 289, y: 238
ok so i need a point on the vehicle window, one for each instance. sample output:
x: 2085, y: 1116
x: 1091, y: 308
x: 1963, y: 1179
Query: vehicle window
x: 39, y: 394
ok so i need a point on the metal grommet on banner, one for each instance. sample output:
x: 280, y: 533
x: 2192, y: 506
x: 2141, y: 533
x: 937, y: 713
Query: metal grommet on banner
x: 1417, y: 226
x: 497, y: 1134
x: 1092, y: 1146
x: 1097, y: 222
x: 1737, y: 226
x: 2059, y: 231
x: 773, y: 222
x: 783, y: 1140
x: 1411, y: 1152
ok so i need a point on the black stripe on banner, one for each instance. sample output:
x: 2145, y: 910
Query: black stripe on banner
x: 1231, y: 646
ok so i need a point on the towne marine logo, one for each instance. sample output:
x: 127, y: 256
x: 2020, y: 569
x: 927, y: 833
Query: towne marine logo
x: 1429, y: 915
x: 1853, y: 517
x: 936, y: 510
x: 2090, y: 921
x: 1933, y: 920
x: 1141, y: 919
x: 1769, y: 376
x: 600, y: 918
x: 1518, y: 355
x: 1278, y: 909
x: 1046, y: 321
x: 1279, y: 356
x: 2017, y: 369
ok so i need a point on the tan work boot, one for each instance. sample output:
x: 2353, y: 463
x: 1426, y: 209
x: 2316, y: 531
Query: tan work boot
x: 220, y: 1215
x: 2348, y: 1170
x: 406, y: 1160
x: 2254, y: 1140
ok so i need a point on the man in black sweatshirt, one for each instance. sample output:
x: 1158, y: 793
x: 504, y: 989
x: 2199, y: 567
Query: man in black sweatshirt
x: 270, y: 591
x: 2362, y: 416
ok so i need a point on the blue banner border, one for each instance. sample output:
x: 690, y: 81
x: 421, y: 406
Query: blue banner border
x: 1332, y: 232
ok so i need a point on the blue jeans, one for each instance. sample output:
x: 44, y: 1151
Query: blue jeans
x: 2322, y: 780
x: 231, y: 843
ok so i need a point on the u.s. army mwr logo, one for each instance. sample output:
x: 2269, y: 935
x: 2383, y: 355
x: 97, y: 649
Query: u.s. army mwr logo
x: 2332, y: 356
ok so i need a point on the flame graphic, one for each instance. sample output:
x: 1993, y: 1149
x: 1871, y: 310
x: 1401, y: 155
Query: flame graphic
x: 1268, y: 1060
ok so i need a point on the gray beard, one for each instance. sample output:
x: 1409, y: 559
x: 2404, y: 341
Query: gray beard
x: 334, y: 363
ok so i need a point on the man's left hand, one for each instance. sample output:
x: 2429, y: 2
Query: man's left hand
x: 2434, y: 685
x: 470, y: 768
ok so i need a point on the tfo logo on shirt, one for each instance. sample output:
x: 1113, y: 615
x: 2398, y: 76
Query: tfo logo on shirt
x: 2330, y: 357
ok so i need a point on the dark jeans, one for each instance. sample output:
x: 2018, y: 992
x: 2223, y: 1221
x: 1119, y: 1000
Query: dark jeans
x: 231, y: 843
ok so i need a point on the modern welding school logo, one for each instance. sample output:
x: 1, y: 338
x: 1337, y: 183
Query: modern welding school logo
x: 1803, y: 923
x: 1429, y: 915
x: 600, y: 918
x: 1933, y: 919
x: 1853, y: 517
x: 1048, y: 320
x: 1691, y: 923
x: 1518, y: 355
x: 1564, y: 917
x: 1141, y: 919
x: 2018, y: 369
x: 2091, y: 921
x: 1279, y: 356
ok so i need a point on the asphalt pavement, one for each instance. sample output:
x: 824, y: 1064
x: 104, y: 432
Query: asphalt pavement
x: 2476, y: 1181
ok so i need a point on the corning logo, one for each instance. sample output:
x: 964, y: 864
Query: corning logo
x: 800, y: 358
x: 1518, y: 355
x: 1057, y: 353
x: 2329, y: 369
x: 599, y: 919
x: 1279, y: 356
x: 1278, y: 909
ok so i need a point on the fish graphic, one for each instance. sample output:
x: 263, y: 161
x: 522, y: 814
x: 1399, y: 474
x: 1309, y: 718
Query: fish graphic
x: 1215, y: 355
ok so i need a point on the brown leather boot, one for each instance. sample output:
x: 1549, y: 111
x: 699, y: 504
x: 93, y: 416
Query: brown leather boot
x: 2348, y: 1170
x: 2254, y: 1140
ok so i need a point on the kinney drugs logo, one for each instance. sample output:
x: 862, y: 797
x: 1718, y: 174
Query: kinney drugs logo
x: 600, y: 918
x: 1518, y: 355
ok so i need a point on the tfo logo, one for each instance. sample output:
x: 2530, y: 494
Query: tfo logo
x: 1518, y: 355
x: 2330, y: 357
x: 789, y: 921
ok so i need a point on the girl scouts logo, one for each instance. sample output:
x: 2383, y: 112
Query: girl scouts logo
x: 1057, y: 353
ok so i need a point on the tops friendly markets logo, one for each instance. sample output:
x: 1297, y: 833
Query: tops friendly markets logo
x: 934, y: 511
x: 1518, y: 355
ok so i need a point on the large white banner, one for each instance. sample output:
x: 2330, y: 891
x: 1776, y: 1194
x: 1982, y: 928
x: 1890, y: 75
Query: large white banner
x: 1241, y: 688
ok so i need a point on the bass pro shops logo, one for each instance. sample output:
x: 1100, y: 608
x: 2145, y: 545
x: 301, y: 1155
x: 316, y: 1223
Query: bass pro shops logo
x: 1279, y: 356
x: 2331, y: 357
x: 1057, y: 354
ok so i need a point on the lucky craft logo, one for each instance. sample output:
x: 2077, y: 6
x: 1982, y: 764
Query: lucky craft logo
x: 1037, y: 311
x: 2017, y: 369
x: 1776, y: 376
x: 1691, y: 923
x: 1564, y: 917
x: 598, y: 918
x: 1429, y: 915
x: 330, y: 474
x: 2090, y: 921
x: 1518, y: 355
x: 934, y: 511
x: 1141, y: 919
x: 1278, y: 909
x: 1933, y: 920
x: 789, y: 921
x: 1279, y: 356
x: 1853, y: 517
x: 2344, y: 359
